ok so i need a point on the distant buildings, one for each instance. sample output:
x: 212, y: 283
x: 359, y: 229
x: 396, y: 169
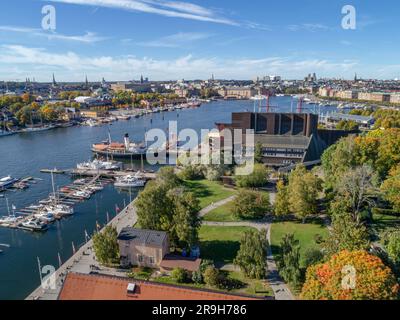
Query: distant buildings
x: 141, y: 87
x: 332, y: 119
x: 237, y: 92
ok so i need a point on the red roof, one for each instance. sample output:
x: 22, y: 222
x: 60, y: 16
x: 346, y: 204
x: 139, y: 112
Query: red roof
x: 102, y: 287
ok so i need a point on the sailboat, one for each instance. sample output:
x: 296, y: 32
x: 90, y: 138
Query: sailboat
x: 56, y: 208
x: 11, y: 218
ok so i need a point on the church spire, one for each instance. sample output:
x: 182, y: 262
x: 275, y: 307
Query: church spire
x: 54, y: 81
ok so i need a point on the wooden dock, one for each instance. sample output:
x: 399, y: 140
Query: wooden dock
x: 110, y: 174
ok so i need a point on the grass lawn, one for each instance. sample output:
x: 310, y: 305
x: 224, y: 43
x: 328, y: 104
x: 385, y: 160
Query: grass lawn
x: 221, y: 214
x: 209, y: 192
x: 384, y: 222
x: 250, y: 286
x: 220, y: 243
x: 305, y: 233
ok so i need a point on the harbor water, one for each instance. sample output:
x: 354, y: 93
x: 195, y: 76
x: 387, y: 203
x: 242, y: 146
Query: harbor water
x: 24, y: 155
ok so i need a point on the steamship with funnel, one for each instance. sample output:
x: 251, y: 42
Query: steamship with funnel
x: 118, y: 150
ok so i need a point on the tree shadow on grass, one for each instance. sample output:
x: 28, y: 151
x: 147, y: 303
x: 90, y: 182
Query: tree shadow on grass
x: 198, y: 189
x: 219, y: 251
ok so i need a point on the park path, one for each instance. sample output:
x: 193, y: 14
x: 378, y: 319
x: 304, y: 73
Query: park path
x: 215, y: 205
x: 279, y: 287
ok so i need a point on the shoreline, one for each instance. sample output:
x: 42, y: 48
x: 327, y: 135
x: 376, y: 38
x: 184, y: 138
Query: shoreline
x: 82, y: 260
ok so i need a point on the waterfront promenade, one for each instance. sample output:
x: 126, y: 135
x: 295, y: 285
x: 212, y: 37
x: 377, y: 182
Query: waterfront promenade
x: 83, y: 260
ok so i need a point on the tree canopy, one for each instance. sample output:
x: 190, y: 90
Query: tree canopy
x: 252, y: 255
x: 355, y: 275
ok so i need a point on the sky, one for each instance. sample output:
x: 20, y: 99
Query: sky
x: 177, y: 39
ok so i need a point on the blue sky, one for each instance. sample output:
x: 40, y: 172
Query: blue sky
x: 168, y: 39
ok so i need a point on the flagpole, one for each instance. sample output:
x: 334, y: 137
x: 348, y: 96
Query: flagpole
x: 59, y: 260
x: 40, y: 271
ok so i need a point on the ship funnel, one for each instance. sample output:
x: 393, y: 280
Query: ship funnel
x: 126, y: 141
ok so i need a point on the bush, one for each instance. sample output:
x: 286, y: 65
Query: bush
x: 258, y: 178
x: 212, y: 276
x: 205, y: 264
x: 191, y: 172
x: 197, y: 277
x: 179, y: 275
x: 214, y: 172
x: 312, y: 256
x: 251, y: 205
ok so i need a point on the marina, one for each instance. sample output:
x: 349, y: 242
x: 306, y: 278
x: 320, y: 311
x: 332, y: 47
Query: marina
x: 64, y: 148
x: 59, y: 204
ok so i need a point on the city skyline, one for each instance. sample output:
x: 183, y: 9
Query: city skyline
x: 169, y: 40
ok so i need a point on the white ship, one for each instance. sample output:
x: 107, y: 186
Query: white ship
x: 99, y: 165
x: 130, y: 182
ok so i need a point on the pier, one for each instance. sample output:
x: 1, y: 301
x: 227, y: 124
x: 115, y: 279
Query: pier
x: 83, y: 261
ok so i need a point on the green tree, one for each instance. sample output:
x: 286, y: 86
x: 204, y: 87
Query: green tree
x: 289, y: 260
x: 191, y: 172
x: 167, y: 176
x: 347, y: 125
x: 252, y: 255
x: 304, y: 188
x: 250, y: 204
x: 258, y: 178
x: 258, y: 153
x: 185, y: 220
x: 346, y: 233
x: 281, y: 205
x: 212, y: 276
x: 153, y: 207
x: 337, y: 159
x: 312, y: 256
x: 105, y: 246
x: 391, y: 188
x: 165, y: 207
x: 179, y: 275
x: 393, y: 248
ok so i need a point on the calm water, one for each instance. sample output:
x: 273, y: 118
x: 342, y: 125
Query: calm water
x: 25, y: 154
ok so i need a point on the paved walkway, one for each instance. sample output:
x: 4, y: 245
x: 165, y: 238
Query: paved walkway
x: 279, y: 287
x: 215, y: 205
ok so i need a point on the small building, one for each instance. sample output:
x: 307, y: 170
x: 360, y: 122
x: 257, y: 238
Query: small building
x: 144, y: 248
x: 93, y: 114
x: 237, y: 92
x: 332, y: 119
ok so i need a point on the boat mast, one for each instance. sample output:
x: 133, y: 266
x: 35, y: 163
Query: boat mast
x: 52, y: 184
x: 8, y: 207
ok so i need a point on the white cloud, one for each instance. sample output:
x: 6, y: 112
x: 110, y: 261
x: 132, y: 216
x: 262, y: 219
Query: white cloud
x: 88, y: 37
x: 311, y: 27
x: 175, y: 9
x: 176, y: 40
x: 40, y: 63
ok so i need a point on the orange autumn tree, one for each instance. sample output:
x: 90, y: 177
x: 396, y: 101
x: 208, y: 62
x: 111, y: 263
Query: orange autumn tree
x: 371, y: 279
